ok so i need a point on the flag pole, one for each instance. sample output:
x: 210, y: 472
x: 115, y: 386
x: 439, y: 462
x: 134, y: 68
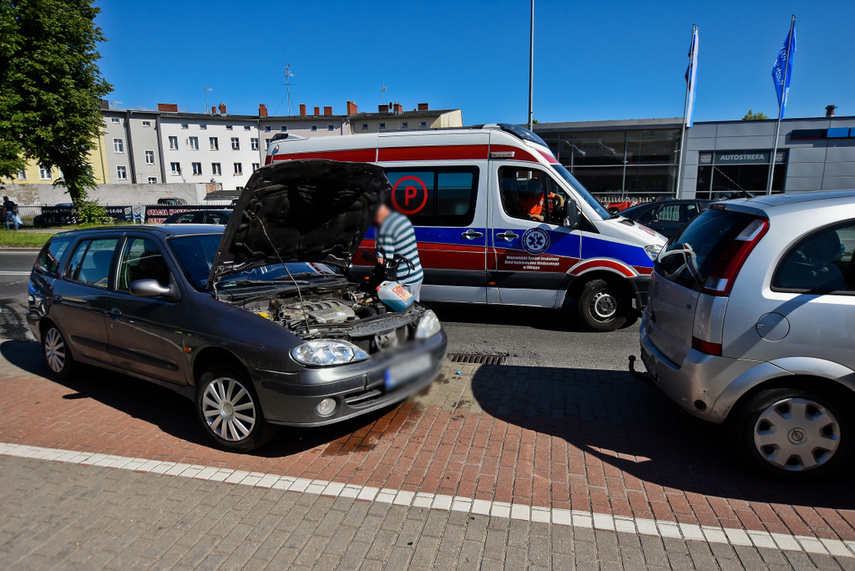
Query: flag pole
x: 679, y: 193
x: 781, y: 105
x: 531, y: 71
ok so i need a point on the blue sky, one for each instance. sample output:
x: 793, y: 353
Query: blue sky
x: 593, y: 60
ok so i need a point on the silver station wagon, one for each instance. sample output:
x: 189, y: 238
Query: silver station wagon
x: 751, y: 321
x: 258, y: 323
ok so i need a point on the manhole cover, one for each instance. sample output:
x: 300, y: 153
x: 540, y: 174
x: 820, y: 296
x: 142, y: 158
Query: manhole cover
x: 483, y: 358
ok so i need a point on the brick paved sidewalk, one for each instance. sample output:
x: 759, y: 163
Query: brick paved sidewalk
x: 533, y: 439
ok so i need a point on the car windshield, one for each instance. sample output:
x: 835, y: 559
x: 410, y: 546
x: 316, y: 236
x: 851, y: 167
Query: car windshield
x: 582, y: 192
x: 196, y: 255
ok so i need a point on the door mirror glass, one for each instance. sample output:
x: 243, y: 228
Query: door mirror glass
x: 572, y: 218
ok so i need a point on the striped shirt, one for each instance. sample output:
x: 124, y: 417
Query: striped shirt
x: 396, y: 236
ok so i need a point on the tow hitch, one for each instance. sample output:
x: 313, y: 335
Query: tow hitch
x: 644, y: 377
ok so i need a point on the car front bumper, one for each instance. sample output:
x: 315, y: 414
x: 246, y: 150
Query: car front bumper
x: 384, y: 379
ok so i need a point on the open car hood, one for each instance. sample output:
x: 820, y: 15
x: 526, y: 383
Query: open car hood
x: 300, y: 211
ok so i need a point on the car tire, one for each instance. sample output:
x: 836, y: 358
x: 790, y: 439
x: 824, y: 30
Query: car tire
x: 57, y: 353
x: 601, y: 306
x: 229, y: 410
x: 793, y: 434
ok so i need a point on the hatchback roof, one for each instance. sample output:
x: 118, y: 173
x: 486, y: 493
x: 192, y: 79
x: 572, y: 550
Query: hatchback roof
x: 776, y: 200
x: 167, y: 229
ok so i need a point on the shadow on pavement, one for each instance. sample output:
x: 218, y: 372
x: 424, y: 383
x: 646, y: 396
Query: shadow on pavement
x: 164, y: 408
x: 537, y: 318
x: 635, y: 428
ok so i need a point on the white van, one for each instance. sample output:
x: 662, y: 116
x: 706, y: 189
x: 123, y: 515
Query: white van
x: 500, y: 221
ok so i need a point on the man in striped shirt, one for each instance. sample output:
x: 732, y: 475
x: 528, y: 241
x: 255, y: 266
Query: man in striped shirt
x: 395, y: 236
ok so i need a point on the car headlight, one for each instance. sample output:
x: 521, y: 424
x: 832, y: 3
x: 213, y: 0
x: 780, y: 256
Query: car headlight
x: 652, y: 250
x: 326, y: 352
x: 428, y: 326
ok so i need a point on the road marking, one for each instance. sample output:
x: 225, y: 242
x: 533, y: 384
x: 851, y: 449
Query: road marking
x: 505, y: 510
x: 14, y: 273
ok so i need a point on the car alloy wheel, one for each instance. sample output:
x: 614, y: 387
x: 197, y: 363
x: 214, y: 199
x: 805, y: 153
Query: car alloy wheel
x: 57, y: 353
x: 796, y: 434
x: 228, y: 409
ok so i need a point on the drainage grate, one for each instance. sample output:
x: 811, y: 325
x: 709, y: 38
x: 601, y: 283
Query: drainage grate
x: 483, y: 358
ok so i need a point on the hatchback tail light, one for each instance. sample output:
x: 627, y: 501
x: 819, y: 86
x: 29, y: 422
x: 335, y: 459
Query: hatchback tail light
x: 726, y: 267
x: 707, y: 347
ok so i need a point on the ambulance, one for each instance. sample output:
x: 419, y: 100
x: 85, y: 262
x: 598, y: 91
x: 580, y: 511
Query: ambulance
x: 499, y: 220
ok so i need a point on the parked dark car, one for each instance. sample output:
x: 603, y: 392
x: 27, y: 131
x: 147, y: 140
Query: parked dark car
x: 199, y: 217
x: 666, y: 216
x: 171, y: 201
x: 257, y: 322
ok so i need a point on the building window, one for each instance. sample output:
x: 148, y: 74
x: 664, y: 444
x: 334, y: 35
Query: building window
x: 44, y: 172
x: 330, y: 127
x: 404, y: 125
x: 176, y: 168
x: 185, y: 126
x: 22, y: 174
x: 423, y: 124
x: 253, y: 143
x: 314, y: 127
x: 247, y: 127
x: 114, y: 119
x: 118, y: 145
x: 238, y: 188
x: 152, y: 180
x: 197, y: 168
x: 121, y: 173
x: 216, y: 169
x: 382, y: 125
x: 238, y: 169
x: 149, y: 157
x: 365, y: 126
x: 235, y: 144
x: 173, y: 143
x: 267, y: 128
x: 146, y: 123
x: 255, y: 166
x: 283, y: 128
x: 214, y: 143
x: 203, y: 127
x: 194, y: 143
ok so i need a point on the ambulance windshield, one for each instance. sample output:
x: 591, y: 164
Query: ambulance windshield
x: 582, y: 192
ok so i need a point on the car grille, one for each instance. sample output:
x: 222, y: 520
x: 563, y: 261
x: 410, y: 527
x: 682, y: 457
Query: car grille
x: 383, y: 341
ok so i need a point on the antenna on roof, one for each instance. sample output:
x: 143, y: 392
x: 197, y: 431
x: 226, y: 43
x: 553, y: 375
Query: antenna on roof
x: 207, y: 89
x: 382, y: 92
x: 288, y: 76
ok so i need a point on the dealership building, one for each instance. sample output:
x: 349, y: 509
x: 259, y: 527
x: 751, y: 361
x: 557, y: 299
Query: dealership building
x: 639, y: 159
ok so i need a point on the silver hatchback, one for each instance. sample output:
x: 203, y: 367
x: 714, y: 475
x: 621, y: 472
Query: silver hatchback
x: 751, y: 320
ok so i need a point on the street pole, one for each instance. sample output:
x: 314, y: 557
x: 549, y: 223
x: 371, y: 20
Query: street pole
x: 781, y: 104
x: 531, y: 71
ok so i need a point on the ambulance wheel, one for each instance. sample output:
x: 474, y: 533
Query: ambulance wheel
x: 602, y: 306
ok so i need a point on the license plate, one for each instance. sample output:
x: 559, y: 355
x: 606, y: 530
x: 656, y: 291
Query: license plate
x: 649, y: 362
x: 397, y: 375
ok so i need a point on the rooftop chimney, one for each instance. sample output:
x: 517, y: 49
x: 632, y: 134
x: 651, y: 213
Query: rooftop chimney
x: 222, y: 108
x: 351, y: 108
x: 302, y: 109
x: 423, y: 106
x: 327, y: 110
x: 382, y: 109
x: 213, y: 109
x: 398, y: 108
x: 829, y: 110
x: 168, y: 107
x: 317, y: 111
x: 262, y: 110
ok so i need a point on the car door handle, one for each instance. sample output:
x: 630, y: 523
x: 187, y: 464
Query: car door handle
x: 472, y: 234
x: 57, y: 299
x: 115, y: 313
x: 509, y: 235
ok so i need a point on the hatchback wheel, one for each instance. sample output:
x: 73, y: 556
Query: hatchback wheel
x: 602, y: 306
x: 794, y: 434
x: 229, y: 411
x: 57, y: 353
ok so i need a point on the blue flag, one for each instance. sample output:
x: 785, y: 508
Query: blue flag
x: 691, y: 72
x: 782, y: 71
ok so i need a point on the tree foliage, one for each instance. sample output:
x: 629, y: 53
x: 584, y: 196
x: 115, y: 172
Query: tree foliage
x: 50, y: 88
x: 751, y: 116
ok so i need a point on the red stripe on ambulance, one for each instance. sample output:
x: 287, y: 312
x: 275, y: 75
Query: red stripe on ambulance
x: 604, y: 264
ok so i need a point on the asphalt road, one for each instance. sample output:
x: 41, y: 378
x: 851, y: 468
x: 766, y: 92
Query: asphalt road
x: 530, y: 337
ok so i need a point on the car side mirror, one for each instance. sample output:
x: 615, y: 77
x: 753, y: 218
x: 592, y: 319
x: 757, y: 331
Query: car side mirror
x: 153, y: 289
x: 572, y: 218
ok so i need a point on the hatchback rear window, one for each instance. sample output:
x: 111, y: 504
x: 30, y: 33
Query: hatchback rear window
x: 689, y: 256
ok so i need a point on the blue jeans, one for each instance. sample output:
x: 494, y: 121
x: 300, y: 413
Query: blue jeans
x: 10, y: 217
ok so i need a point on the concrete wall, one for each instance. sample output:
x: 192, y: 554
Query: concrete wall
x: 109, y: 194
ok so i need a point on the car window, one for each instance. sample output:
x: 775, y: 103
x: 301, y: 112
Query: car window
x: 217, y: 218
x: 91, y: 261
x: 648, y: 215
x: 531, y: 194
x: 50, y: 256
x: 435, y: 196
x: 820, y: 262
x: 186, y: 218
x: 668, y: 213
x: 196, y: 256
x: 141, y: 260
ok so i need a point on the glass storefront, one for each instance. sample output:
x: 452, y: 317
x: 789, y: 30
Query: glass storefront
x: 621, y: 163
x: 723, y: 173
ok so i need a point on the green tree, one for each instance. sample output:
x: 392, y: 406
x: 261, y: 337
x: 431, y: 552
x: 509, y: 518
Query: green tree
x: 751, y: 116
x: 50, y: 89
